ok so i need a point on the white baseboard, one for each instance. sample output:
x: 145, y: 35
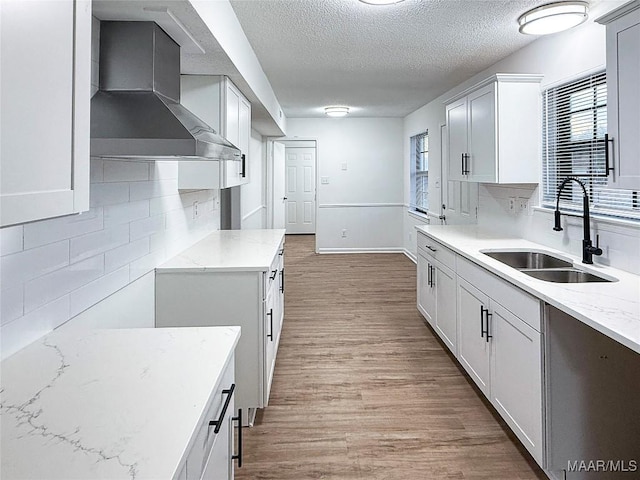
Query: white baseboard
x: 410, y: 255
x: 362, y: 250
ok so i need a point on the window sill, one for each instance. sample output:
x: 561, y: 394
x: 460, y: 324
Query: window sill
x: 622, y: 222
x: 419, y: 215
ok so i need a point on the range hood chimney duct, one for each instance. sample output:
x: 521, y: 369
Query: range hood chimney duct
x: 137, y: 114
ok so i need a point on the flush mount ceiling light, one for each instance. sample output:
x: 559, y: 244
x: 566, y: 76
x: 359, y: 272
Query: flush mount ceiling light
x: 336, y: 111
x: 381, y: 2
x: 553, y: 17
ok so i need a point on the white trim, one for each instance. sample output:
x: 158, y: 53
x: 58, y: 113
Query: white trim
x: 254, y: 211
x: 613, y: 221
x: 410, y: 256
x: 361, y: 250
x: 359, y: 205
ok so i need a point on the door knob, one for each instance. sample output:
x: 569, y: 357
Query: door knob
x: 284, y: 198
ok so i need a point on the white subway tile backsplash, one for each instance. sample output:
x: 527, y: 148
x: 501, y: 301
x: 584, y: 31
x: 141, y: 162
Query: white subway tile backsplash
x: 98, y: 242
x: 24, y: 266
x: 125, y: 212
x: 126, y: 254
x: 151, y: 189
x: 11, y: 304
x: 30, y: 327
x: 96, y: 170
x: 121, y: 171
x: 52, y: 230
x: 91, y: 293
x: 53, y: 269
x: 11, y: 239
x: 146, y: 226
x: 108, y: 193
x: 49, y: 287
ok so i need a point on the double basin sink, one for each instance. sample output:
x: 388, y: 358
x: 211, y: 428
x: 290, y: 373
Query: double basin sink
x: 545, y: 267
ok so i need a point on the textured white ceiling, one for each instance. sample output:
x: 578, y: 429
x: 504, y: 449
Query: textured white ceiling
x: 381, y: 60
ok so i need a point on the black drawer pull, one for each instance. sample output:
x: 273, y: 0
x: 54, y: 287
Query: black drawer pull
x: 431, y: 248
x: 270, y: 315
x: 243, y: 173
x: 482, y: 321
x: 281, y: 252
x: 273, y: 274
x: 282, y: 280
x: 239, y: 455
x: 218, y: 423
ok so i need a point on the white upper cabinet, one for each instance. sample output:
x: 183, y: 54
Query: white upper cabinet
x: 494, y: 131
x: 217, y: 101
x: 623, y: 94
x: 46, y: 81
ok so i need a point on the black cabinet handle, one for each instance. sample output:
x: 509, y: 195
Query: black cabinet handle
x: 281, y: 252
x: 465, y: 164
x: 609, y: 167
x: 282, y: 281
x: 239, y: 455
x: 244, y: 166
x: 462, y: 163
x: 429, y: 274
x: 270, y: 315
x: 431, y: 248
x: 273, y: 275
x: 489, y: 315
x: 482, y: 321
x: 218, y: 423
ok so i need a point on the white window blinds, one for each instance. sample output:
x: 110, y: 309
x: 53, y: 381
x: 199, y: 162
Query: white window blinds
x: 420, y: 171
x: 575, y: 145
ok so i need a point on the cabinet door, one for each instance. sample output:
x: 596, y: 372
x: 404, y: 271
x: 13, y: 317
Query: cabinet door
x: 456, y: 114
x: 270, y: 336
x: 444, y: 280
x: 219, y: 465
x: 473, y: 349
x: 45, y: 109
x: 232, y: 120
x: 244, y: 136
x: 623, y: 78
x: 481, y: 106
x: 516, y: 378
x: 426, y: 293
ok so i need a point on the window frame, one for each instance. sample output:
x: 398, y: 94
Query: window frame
x: 419, y: 173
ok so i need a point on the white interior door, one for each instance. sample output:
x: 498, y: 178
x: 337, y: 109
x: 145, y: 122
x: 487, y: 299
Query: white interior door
x: 279, y: 191
x: 300, y: 189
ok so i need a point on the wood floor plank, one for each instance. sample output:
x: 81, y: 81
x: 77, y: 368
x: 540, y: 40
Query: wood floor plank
x: 364, y: 390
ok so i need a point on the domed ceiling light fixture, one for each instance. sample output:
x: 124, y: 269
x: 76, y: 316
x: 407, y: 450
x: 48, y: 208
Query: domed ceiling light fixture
x: 553, y: 17
x: 336, y: 111
x: 381, y: 2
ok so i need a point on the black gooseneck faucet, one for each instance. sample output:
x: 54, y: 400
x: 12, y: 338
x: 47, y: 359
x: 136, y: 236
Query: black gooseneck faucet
x: 588, y: 250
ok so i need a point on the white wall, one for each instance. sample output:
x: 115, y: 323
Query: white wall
x: 52, y: 270
x: 253, y: 196
x: 559, y: 58
x: 366, y: 198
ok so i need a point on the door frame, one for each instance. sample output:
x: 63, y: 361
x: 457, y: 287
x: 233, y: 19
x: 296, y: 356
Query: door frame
x: 290, y: 141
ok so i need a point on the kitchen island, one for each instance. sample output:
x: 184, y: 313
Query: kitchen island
x: 112, y: 404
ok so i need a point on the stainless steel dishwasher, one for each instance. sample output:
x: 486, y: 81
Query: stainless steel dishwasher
x: 593, y: 402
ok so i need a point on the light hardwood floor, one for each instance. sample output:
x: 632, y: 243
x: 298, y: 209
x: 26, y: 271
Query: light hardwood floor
x: 363, y: 389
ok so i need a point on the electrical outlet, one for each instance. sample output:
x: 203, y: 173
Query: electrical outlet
x: 344, y: 166
x: 324, y: 180
x: 523, y: 205
x: 344, y: 233
x: 512, y: 204
x: 195, y: 210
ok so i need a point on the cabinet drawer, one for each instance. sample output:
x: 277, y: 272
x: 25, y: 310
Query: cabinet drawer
x: 205, y: 438
x: 432, y: 248
x: 512, y: 298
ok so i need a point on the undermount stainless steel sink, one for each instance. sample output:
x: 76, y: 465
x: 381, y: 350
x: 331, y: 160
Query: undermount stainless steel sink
x: 528, y: 260
x: 545, y: 267
x: 565, y: 275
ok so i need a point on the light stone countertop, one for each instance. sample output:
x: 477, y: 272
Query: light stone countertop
x: 610, y: 308
x: 108, y: 404
x: 237, y: 250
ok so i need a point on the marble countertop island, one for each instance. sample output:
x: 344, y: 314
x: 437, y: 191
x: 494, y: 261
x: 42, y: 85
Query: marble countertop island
x: 108, y: 404
x: 612, y: 308
x: 238, y: 250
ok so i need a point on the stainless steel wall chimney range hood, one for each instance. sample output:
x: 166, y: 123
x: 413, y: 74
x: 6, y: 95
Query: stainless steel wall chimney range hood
x: 136, y: 114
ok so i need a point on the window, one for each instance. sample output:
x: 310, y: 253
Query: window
x: 420, y: 172
x: 574, y: 145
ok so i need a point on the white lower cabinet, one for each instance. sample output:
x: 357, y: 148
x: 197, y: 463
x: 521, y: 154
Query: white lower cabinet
x: 211, y: 456
x: 474, y: 348
x: 493, y: 329
x: 253, y: 299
